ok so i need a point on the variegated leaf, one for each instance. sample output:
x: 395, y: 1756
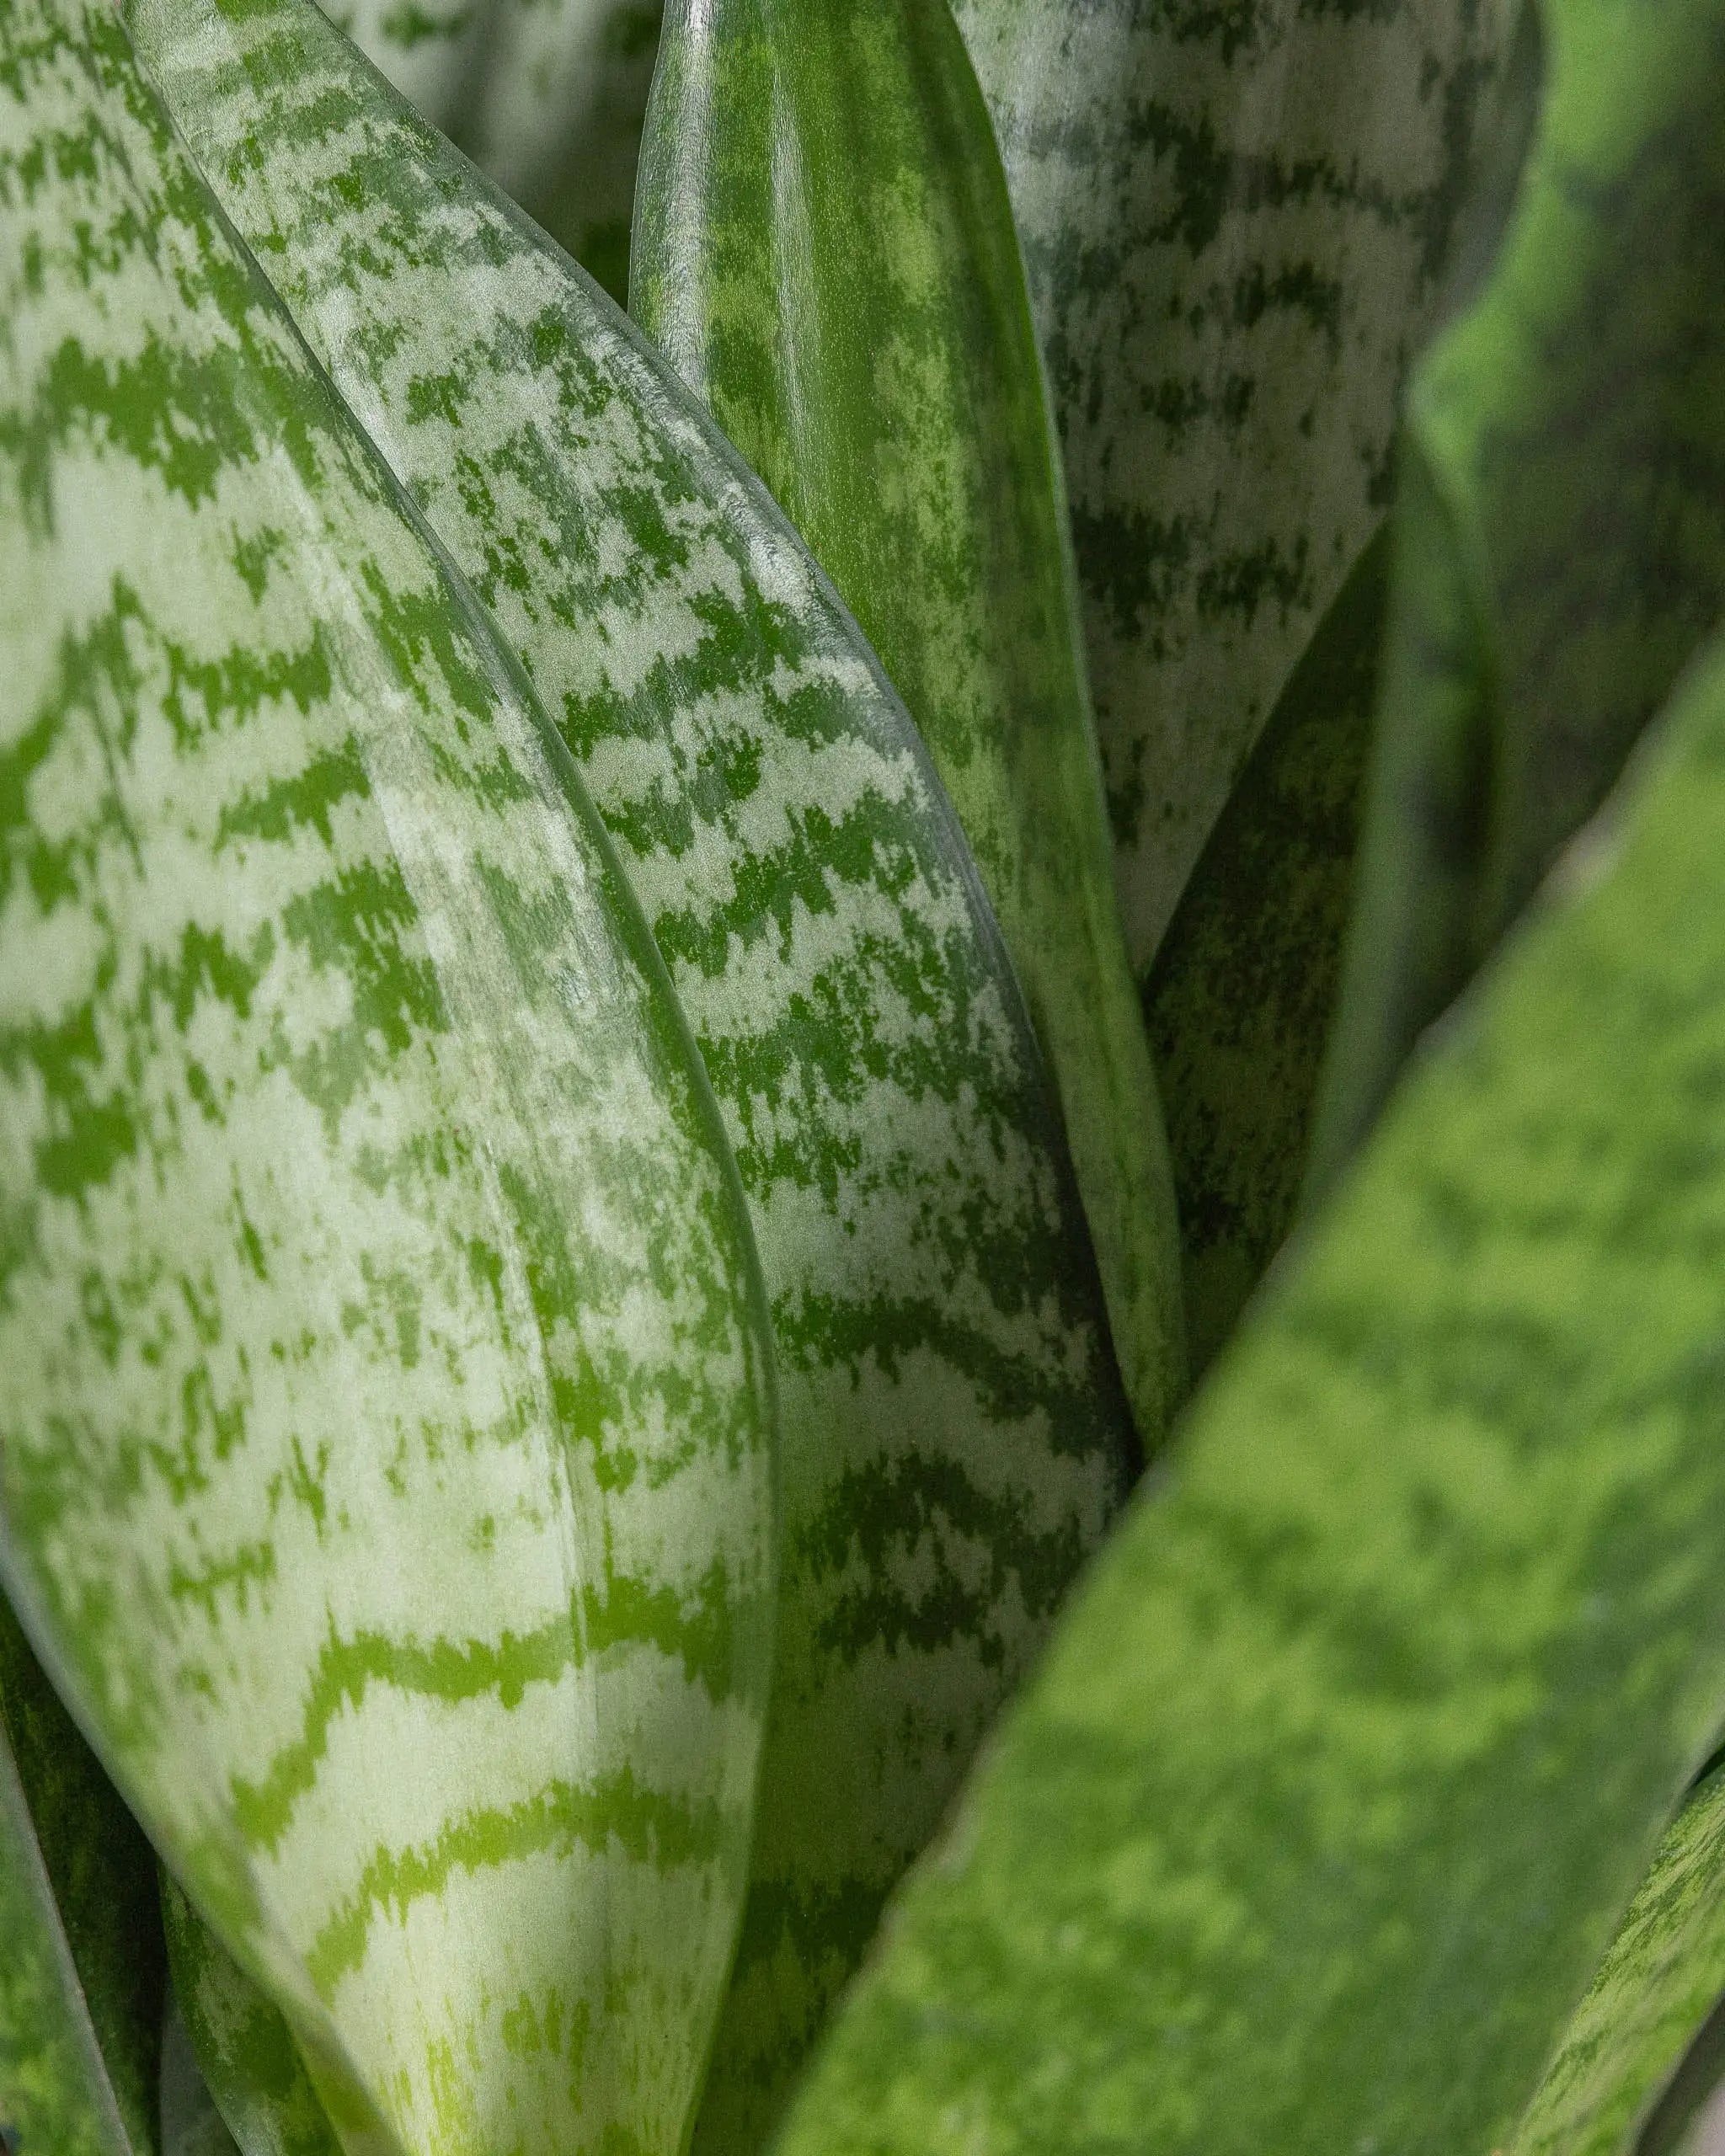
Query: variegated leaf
x: 953, y: 1435
x: 1633, y: 2066
x: 825, y: 251
x: 191, y: 2125
x: 385, y: 1453
x: 1237, y: 222
x: 1343, y: 1765
x: 81, y: 1960
x: 1561, y: 546
x: 1243, y: 995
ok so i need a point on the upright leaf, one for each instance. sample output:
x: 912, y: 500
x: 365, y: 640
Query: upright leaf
x: 1562, y: 546
x: 1237, y: 224
x: 1243, y: 995
x: 825, y: 251
x: 191, y: 2125
x: 1343, y: 1765
x: 384, y: 1455
x: 954, y: 1436
x: 436, y: 52
x: 1622, y: 2058
x: 80, y: 1949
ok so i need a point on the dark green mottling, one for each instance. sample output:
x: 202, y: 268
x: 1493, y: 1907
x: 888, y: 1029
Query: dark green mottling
x: 1562, y: 548
x: 388, y: 1418
x: 1345, y: 1763
x: 1241, y: 998
x: 825, y: 251
x: 1238, y: 219
x: 81, y: 1963
x: 1622, y: 2078
x: 954, y: 1436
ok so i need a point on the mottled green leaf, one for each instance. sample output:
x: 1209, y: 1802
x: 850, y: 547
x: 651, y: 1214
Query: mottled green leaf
x: 825, y: 251
x: 1340, y: 1769
x: 244, y: 2047
x: 384, y: 1466
x: 1237, y: 223
x: 1242, y: 994
x: 1562, y: 543
x: 1619, y: 2065
x: 80, y: 1949
x: 954, y: 1433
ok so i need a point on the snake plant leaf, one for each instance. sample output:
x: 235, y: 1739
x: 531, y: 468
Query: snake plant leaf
x: 825, y: 251
x: 386, y: 1475
x: 191, y: 2125
x: 1243, y: 995
x: 556, y: 119
x: 1622, y: 2059
x: 1237, y: 223
x: 1561, y: 551
x: 1343, y: 1766
x: 81, y: 1963
x: 953, y: 1436
x: 241, y: 2045
x: 436, y: 52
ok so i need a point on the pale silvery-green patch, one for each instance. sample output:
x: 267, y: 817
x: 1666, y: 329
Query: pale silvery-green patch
x: 385, y: 1467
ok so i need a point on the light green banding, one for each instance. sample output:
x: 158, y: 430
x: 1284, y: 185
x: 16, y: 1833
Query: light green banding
x: 385, y: 1453
x: 1237, y: 222
x: 825, y: 251
x: 1347, y: 1759
x: 953, y: 1435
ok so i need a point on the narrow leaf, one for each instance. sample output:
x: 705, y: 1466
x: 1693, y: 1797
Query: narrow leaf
x: 825, y: 251
x: 80, y: 1950
x: 1242, y: 998
x: 1237, y: 223
x: 1662, y: 1976
x: 191, y: 2125
x: 385, y: 1471
x: 953, y: 1436
x: 1561, y: 549
x: 1343, y: 1765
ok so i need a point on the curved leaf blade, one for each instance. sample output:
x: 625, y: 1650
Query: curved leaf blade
x: 386, y: 1468
x: 1562, y: 545
x: 954, y: 1436
x: 1663, y: 1975
x: 1242, y: 998
x: 1281, y: 1849
x: 1237, y: 224
x: 825, y: 251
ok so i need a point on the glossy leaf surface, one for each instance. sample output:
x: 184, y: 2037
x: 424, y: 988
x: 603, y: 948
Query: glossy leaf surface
x: 1285, y: 1830
x: 1237, y: 223
x: 1242, y: 996
x: 80, y: 1950
x: 953, y: 1435
x: 1626, y: 2052
x: 385, y: 1471
x: 825, y: 251
x: 1561, y: 550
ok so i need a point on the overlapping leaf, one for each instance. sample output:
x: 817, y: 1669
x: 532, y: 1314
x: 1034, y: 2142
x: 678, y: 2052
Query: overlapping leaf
x: 1237, y: 223
x: 1561, y: 542
x: 1283, y: 1849
x: 824, y: 250
x: 1243, y: 995
x: 955, y: 1437
x: 80, y: 1951
x: 385, y: 1467
x: 1625, y: 2078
